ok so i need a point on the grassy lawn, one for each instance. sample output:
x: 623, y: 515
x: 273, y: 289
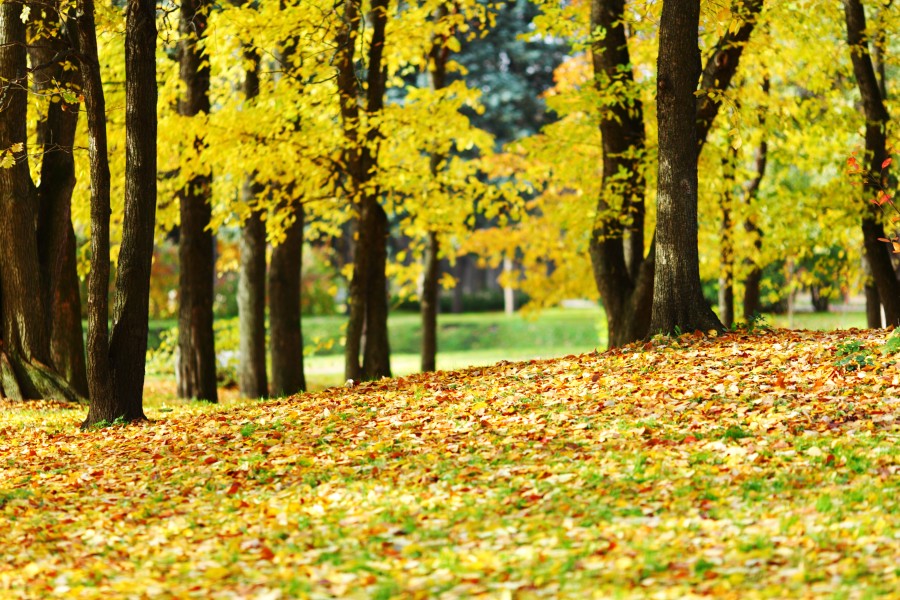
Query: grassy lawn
x: 756, y: 465
x: 478, y: 339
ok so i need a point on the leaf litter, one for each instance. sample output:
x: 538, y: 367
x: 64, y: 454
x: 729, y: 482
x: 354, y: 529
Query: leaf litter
x: 744, y: 465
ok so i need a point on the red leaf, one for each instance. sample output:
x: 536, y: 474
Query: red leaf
x: 210, y: 460
x: 235, y: 486
x: 265, y: 553
x: 887, y: 163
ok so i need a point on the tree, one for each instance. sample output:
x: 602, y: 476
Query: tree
x: 367, y: 326
x: 26, y: 369
x: 678, y: 301
x: 252, y: 277
x: 128, y: 343
x: 624, y: 279
x: 286, y: 333
x: 877, y: 119
x: 437, y: 66
x: 50, y: 55
x: 196, y: 343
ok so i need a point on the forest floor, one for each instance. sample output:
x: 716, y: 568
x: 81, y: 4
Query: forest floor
x: 752, y: 464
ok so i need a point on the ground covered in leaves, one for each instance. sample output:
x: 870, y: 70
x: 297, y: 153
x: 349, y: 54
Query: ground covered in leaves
x: 748, y: 465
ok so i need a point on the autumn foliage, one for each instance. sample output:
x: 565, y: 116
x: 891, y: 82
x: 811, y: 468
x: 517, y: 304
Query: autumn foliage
x: 746, y: 465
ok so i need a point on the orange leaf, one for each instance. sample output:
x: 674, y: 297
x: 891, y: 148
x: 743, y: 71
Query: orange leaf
x: 235, y: 486
x: 887, y: 162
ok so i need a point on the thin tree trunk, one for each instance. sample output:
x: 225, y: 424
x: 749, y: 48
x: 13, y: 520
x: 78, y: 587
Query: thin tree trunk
x: 877, y: 119
x: 252, y: 282
x: 752, y: 302
x: 128, y: 341
x: 102, y: 393
x: 348, y: 97
x: 726, y: 243
x: 252, y: 301
x: 430, y: 300
x: 432, y: 264
x: 196, y: 341
x: 286, y: 334
x: 368, y: 285
x: 678, y: 302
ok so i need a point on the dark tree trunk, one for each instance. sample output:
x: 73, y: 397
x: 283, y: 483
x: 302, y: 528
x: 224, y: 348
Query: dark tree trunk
x: 367, y: 324
x: 723, y: 65
x: 56, y: 238
x: 252, y: 301
x: 432, y: 264
x: 819, y: 302
x: 873, y: 305
x: 102, y: 393
x: 430, y: 289
x: 252, y: 283
x: 623, y: 276
x: 377, y: 350
x: 877, y: 253
x: 726, y: 275
x: 752, y: 301
x: 678, y: 302
x: 196, y: 341
x: 286, y: 334
x: 128, y: 342
x: 25, y: 358
x: 348, y: 92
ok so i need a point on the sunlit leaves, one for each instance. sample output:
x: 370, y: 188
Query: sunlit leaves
x: 741, y: 465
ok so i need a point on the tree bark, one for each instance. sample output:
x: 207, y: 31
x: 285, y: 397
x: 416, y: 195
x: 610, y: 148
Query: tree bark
x: 877, y: 253
x: 722, y: 66
x: 430, y: 289
x: 367, y: 324
x: 56, y: 238
x: 25, y: 357
x: 752, y: 302
x: 678, y: 302
x: 196, y: 341
x: 726, y: 246
x: 102, y: 393
x: 438, y: 55
x: 252, y: 282
x: 128, y: 341
x: 286, y: 333
x: 622, y: 274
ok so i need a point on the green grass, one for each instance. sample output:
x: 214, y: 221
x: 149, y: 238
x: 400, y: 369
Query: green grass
x: 478, y: 339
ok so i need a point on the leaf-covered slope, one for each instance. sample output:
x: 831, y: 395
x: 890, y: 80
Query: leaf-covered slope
x: 744, y: 466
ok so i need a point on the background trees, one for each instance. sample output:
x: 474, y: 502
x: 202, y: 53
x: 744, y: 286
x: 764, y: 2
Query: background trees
x: 375, y: 144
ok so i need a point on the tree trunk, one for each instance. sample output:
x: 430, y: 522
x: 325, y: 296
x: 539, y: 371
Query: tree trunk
x: 623, y: 276
x: 196, y: 341
x: 432, y: 265
x: 286, y: 334
x: 102, y: 393
x: 877, y: 119
x: 128, y: 342
x: 252, y: 301
x: 678, y: 303
x: 368, y: 284
x: 873, y: 307
x: 723, y: 65
x: 377, y: 350
x: 56, y: 238
x: 752, y: 302
x: 25, y: 358
x: 430, y: 299
x: 252, y: 282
